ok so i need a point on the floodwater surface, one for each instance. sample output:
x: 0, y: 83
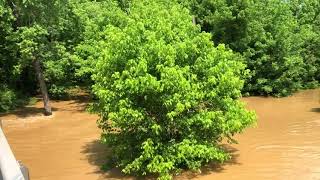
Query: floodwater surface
x: 285, y: 145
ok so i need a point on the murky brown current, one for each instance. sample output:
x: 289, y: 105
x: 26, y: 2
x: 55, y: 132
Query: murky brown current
x: 285, y: 145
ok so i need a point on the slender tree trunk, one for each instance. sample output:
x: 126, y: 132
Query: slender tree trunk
x: 43, y: 87
x: 194, y: 20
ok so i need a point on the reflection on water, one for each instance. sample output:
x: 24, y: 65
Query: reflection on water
x: 284, y: 145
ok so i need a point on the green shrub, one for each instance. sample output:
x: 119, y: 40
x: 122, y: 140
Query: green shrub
x: 58, y: 92
x: 7, y: 99
x: 10, y: 99
x: 166, y: 96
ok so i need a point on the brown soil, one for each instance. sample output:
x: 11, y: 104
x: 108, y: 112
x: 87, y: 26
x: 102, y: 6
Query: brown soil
x: 284, y: 145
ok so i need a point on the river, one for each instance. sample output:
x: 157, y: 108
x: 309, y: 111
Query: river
x: 285, y: 144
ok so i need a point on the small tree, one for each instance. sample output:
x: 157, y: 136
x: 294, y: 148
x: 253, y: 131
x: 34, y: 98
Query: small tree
x: 167, y: 96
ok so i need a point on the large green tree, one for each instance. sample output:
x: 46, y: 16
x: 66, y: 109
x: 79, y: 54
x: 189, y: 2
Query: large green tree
x: 166, y: 96
x: 271, y: 49
x: 307, y: 13
x: 270, y: 37
x: 38, y: 39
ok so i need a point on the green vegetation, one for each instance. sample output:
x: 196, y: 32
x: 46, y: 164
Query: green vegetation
x: 167, y: 95
x: 278, y: 39
x: 166, y: 75
x: 7, y: 99
x: 10, y: 99
x: 35, y: 39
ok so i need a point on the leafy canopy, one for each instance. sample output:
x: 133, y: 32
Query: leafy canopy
x: 277, y: 38
x: 166, y: 95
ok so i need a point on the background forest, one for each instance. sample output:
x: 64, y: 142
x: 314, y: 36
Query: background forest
x: 163, y: 73
x: 277, y: 40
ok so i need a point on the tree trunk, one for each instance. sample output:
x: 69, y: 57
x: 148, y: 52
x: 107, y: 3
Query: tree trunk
x: 194, y: 20
x: 43, y: 88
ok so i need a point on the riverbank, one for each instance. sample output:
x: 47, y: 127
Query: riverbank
x: 284, y: 145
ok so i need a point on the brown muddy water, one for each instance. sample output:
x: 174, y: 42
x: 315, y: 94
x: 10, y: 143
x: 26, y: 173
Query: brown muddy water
x: 285, y: 145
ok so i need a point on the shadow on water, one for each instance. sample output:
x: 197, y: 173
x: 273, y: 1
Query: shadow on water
x: 77, y: 98
x: 27, y: 111
x: 99, y: 154
x: 315, y: 110
x: 80, y: 102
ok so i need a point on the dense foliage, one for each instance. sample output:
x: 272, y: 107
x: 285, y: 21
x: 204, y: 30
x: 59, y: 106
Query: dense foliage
x: 36, y: 31
x: 167, y: 96
x: 307, y: 13
x: 93, y: 20
x: 278, y: 39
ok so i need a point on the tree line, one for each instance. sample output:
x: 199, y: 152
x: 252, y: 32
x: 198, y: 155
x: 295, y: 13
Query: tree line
x: 166, y: 75
x: 277, y: 40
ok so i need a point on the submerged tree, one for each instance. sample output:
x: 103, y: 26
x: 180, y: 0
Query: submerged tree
x: 166, y: 95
